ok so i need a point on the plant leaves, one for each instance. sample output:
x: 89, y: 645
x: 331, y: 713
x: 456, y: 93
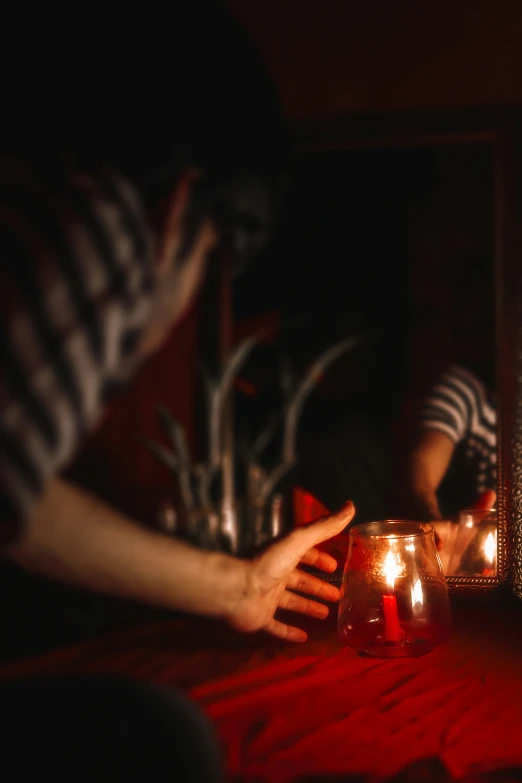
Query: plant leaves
x: 166, y: 457
x: 175, y: 434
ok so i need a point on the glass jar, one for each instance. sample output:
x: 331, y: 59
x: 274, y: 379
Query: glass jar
x: 394, y: 599
x: 475, y: 549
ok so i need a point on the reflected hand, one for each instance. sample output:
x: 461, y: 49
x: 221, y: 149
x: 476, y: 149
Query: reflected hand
x: 487, y: 500
x: 272, y: 577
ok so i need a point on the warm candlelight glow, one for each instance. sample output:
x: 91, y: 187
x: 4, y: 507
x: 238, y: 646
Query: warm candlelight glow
x: 490, y: 548
x: 392, y: 569
x: 394, y: 599
x: 417, y: 596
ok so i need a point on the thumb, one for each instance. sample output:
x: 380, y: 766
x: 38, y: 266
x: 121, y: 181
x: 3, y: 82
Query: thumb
x: 487, y: 500
x: 328, y: 527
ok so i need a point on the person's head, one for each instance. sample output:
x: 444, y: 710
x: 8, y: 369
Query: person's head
x: 179, y: 103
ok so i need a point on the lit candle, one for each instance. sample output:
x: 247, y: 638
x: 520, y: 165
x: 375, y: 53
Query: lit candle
x: 417, y: 602
x: 490, y: 551
x: 392, y: 630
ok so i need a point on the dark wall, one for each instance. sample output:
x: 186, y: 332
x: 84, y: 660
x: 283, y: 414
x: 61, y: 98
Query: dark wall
x: 399, y: 241
x: 338, y: 57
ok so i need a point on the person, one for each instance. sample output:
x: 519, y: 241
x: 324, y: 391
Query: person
x: 131, y: 152
x: 452, y: 462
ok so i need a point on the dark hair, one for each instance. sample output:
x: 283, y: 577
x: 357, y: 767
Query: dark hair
x: 151, y: 92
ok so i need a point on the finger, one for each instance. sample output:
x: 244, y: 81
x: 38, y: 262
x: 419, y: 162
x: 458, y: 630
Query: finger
x: 311, y: 585
x: 286, y: 632
x: 487, y: 500
x: 296, y: 603
x: 314, y: 557
x: 327, y: 527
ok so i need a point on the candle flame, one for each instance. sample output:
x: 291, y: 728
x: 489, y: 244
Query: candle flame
x: 392, y: 569
x: 417, y: 596
x: 490, y: 547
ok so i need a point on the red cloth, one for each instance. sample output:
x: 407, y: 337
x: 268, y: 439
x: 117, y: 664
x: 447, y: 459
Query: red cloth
x: 306, y: 507
x: 290, y: 712
x: 333, y: 713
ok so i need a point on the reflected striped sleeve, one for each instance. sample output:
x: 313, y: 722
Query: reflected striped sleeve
x: 461, y: 407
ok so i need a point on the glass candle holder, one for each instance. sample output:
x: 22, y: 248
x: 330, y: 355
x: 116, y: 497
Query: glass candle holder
x: 394, y: 599
x: 475, y: 549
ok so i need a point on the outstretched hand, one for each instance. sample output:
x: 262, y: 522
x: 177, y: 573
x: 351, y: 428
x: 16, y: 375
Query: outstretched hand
x: 272, y: 578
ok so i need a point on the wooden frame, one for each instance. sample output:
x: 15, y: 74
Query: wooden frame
x: 502, y: 129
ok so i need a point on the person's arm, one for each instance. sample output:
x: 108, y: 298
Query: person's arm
x: 76, y: 538
x: 442, y: 421
x: 425, y: 467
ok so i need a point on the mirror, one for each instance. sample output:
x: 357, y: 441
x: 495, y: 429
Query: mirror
x: 398, y: 237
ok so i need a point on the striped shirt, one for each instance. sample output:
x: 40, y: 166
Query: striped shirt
x: 76, y: 281
x: 460, y: 406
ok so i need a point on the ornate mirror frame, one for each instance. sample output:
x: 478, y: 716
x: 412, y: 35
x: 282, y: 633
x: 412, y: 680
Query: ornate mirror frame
x: 502, y: 129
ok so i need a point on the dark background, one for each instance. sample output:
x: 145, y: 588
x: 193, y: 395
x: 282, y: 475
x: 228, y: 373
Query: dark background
x: 393, y: 241
x: 370, y: 239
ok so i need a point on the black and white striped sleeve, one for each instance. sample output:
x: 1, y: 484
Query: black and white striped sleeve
x: 75, y: 290
x: 449, y: 407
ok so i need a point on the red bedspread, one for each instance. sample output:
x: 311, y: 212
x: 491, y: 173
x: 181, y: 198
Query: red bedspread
x: 331, y: 712
x: 319, y: 712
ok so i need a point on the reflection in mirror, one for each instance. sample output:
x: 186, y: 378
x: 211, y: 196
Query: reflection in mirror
x: 398, y: 241
x: 450, y: 462
x: 468, y: 547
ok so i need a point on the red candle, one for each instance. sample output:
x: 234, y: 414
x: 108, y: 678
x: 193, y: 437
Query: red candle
x: 392, y: 630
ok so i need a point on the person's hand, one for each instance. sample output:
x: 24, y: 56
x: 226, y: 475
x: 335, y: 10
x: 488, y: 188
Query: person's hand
x: 272, y: 577
x: 487, y: 500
